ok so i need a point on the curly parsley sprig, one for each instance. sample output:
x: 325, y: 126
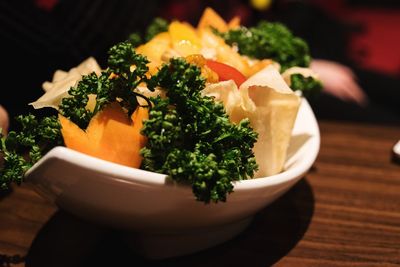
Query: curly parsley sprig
x: 274, y: 40
x: 309, y: 86
x: 21, y: 149
x: 191, y: 139
x: 270, y: 40
x: 126, y: 70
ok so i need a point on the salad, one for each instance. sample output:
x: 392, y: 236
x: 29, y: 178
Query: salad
x: 207, y: 106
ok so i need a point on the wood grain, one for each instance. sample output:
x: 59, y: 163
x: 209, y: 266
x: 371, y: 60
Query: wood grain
x: 356, y: 221
x: 345, y: 212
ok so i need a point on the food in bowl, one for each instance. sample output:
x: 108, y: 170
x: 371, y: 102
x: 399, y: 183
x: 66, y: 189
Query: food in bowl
x: 197, y: 104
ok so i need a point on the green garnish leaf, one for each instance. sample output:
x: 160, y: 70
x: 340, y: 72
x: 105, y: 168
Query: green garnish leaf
x: 309, y: 86
x: 191, y: 139
x: 21, y: 149
x: 270, y: 40
x: 126, y: 70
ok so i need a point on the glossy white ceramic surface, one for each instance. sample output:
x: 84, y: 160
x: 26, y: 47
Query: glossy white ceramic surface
x: 159, y: 211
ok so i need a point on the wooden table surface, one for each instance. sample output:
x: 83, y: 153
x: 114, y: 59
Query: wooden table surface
x: 345, y: 212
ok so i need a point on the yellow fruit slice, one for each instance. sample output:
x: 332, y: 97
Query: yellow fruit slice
x: 184, y: 38
x: 234, y: 23
x: 110, y: 135
x: 211, y: 19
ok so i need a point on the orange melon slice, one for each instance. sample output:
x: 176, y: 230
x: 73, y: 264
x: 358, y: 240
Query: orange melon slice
x: 110, y: 135
x: 210, y: 18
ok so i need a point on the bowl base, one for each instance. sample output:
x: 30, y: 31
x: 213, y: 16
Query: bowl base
x: 158, y: 246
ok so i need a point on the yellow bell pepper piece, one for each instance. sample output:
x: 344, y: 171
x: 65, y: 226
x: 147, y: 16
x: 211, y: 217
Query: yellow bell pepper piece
x: 184, y: 38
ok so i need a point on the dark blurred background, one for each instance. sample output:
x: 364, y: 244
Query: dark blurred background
x: 40, y: 36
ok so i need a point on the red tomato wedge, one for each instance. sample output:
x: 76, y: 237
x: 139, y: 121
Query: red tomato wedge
x: 226, y: 72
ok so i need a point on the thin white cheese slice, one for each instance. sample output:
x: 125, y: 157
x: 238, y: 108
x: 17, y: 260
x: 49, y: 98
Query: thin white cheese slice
x: 271, y: 107
x: 62, y: 81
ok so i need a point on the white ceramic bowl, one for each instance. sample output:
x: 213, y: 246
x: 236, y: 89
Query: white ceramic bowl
x: 163, y: 218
